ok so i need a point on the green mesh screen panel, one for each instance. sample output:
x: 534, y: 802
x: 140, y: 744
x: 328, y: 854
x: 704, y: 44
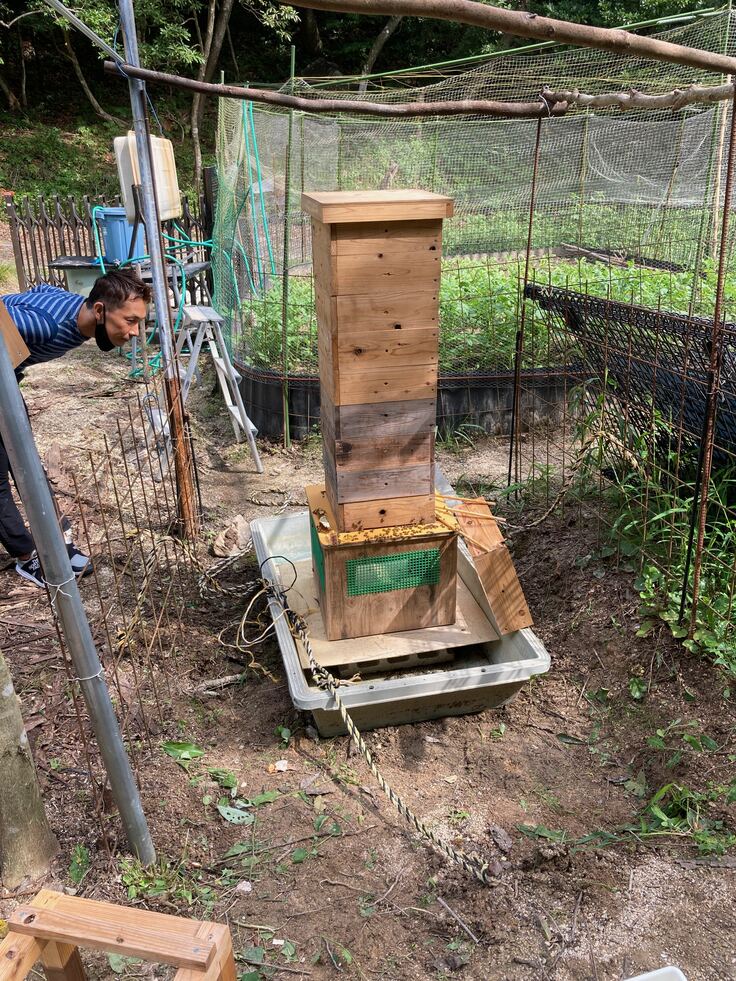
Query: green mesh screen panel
x: 317, y: 557
x: 385, y: 573
x: 635, y: 183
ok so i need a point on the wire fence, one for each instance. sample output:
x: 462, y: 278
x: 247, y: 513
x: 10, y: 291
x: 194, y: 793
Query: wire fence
x: 141, y: 600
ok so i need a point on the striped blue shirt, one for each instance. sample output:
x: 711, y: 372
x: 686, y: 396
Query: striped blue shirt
x: 46, y: 318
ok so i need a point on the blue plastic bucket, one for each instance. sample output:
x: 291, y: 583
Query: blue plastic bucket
x: 117, y: 234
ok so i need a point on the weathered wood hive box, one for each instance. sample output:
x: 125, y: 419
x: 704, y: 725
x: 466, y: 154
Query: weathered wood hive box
x: 383, y: 561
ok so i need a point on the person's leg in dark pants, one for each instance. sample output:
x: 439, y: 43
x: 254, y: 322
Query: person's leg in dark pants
x: 14, y: 536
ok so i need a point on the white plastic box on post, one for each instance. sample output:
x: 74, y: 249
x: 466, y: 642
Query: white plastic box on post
x: 164, y: 168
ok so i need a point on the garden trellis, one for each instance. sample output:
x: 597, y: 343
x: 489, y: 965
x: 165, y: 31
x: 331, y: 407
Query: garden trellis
x: 627, y: 209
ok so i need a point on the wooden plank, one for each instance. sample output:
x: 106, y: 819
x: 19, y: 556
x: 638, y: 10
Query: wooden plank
x: 372, y: 349
x: 372, y: 420
x: 477, y: 525
x: 387, y: 512
x: 328, y: 374
x: 388, y: 236
x: 392, y: 384
x: 391, y: 309
x: 372, y: 485
x: 384, y: 452
x: 332, y: 207
x: 117, y: 929
x: 222, y: 967
x: 318, y: 500
x: 322, y: 258
x: 374, y: 271
x: 18, y: 954
x: 326, y: 309
x: 503, y: 589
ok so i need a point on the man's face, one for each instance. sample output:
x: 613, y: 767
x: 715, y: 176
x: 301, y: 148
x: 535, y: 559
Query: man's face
x: 122, y: 323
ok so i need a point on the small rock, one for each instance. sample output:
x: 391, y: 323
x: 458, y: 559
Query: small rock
x: 501, y: 838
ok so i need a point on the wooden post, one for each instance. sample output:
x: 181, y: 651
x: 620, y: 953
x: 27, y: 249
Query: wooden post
x: 61, y: 962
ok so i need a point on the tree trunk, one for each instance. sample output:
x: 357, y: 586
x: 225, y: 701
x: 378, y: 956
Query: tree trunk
x: 232, y: 52
x: 206, y: 46
x: 13, y: 103
x: 311, y: 39
x: 388, y: 29
x: 26, y: 842
x: 71, y: 55
x: 213, y: 57
x: 22, y: 48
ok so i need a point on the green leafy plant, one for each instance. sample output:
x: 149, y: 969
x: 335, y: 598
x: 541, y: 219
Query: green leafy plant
x: 673, y: 811
x: 284, y: 734
x: 183, y: 752
x: 79, y: 865
x: 165, y: 878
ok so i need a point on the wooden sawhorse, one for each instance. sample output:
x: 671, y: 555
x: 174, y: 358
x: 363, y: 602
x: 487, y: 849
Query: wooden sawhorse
x: 53, y: 926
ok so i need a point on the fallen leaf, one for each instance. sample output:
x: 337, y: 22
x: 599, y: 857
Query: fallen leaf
x: 234, y: 815
x: 234, y: 539
x: 313, y: 789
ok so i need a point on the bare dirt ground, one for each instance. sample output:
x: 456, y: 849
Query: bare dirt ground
x: 356, y: 893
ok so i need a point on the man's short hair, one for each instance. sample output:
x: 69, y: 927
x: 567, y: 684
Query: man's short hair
x: 118, y: 286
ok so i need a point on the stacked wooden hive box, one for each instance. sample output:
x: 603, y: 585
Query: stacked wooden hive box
x: 383, y: 561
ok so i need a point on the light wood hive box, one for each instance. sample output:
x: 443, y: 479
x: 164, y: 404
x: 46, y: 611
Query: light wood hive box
x: 376, y: 257
x: 381, y: 580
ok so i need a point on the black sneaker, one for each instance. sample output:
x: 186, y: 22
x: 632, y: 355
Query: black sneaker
x: 31, y: 570
x: 81, y: 563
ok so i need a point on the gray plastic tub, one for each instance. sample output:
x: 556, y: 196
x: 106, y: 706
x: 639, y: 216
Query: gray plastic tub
x: 481, y: 676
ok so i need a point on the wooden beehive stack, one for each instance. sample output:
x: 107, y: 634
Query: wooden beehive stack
x: 376, y: 258
x: 376, y: 261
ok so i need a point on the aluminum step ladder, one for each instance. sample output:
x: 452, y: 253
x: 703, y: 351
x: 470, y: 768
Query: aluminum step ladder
x: 202, y: 324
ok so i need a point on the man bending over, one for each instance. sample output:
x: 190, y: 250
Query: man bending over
x: 52, y: 321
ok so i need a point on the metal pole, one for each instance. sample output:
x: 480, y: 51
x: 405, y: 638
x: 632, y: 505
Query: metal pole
x: 714, y: 372
x: 34, y: 491
x: 285, y: 267
x: 519, y: 346
x: 83, y: 28
x: 149, y: 202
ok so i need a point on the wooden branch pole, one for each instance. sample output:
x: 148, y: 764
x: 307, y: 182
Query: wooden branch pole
x: 633, y: 99
x: 481, y: 107
x: 550, y: 102
x: 526, y: 24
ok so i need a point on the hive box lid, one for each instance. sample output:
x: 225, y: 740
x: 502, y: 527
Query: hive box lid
x: 337, y: 207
